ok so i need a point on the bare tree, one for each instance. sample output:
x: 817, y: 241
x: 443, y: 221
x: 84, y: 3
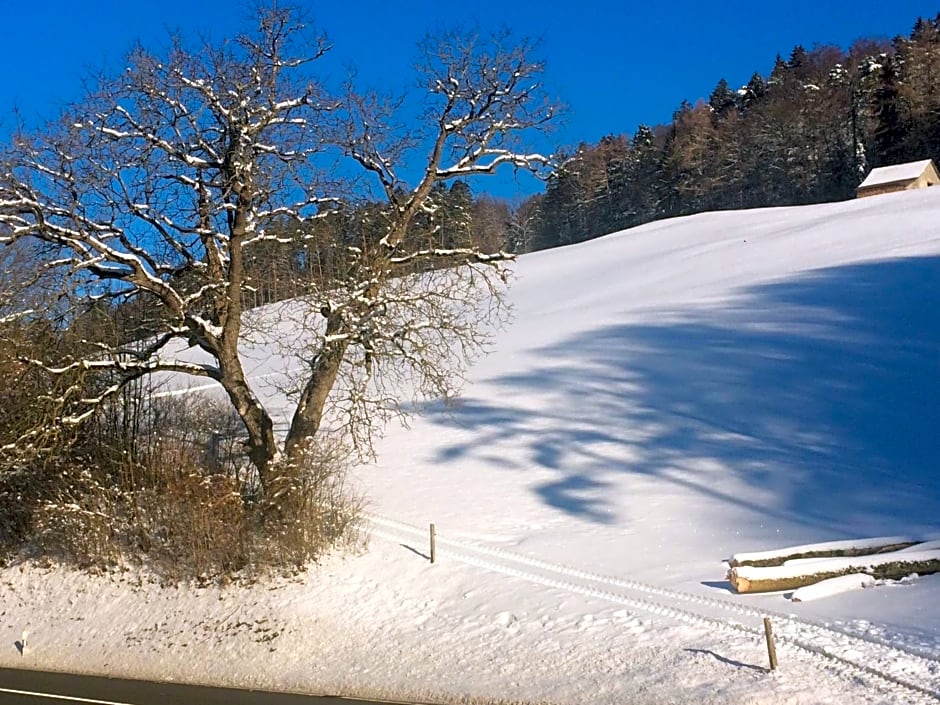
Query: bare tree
x: 523, y: 224
x: 161, y: 185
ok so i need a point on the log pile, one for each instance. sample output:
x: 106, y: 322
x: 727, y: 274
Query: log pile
x: 831, y: 549
x: 891, y: 558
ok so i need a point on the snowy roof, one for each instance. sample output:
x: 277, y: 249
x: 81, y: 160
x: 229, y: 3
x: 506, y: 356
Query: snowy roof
x: 895, y: 173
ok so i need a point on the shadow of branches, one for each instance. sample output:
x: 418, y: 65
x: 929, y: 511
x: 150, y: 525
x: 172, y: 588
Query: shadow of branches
x: 820, y: 393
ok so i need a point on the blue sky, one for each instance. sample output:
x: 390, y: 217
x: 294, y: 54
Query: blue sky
x: 616, y: 64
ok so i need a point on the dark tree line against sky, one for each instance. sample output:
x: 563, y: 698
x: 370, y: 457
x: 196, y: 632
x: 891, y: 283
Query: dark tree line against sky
x: 807, y: 133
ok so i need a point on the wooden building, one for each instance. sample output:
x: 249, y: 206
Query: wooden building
x: 899, y: 177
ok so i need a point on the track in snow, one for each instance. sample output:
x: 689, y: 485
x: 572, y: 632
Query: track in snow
x: 902, y: 672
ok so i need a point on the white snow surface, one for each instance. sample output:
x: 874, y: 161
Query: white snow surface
x: 821, y: 547
x: 832, y: 587
x: 933, y: 545
x: 895, y: 172
x: 797, y: 567
x: 665, y: 397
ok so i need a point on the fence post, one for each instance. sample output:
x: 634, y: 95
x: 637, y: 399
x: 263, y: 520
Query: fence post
x: 771, y: 647
x: 433, y: 544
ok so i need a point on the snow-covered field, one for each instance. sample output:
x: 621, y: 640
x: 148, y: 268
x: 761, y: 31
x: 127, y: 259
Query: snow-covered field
x: 666, y: 397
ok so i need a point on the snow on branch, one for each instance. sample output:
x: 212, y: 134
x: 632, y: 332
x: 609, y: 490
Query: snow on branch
x: 183, y: 191
x: 450, y: 255
x: 19, y: 315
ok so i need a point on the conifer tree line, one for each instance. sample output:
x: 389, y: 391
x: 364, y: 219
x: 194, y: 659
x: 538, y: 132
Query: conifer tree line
x: 807, y: 133
x: 302, y: 256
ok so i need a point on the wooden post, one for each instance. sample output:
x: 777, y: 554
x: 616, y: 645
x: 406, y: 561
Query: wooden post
x: 433, y: 546
x: 771, y: 648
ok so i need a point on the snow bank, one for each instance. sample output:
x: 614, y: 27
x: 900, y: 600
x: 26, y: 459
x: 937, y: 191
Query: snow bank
x: 664, y: 396
x: 924, y: 546
x: 832, y: 586
x: 811, y: 551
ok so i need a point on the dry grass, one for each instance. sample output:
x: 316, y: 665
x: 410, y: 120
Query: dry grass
x: 176, y: 493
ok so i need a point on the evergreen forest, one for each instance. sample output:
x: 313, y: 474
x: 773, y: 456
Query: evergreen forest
x: 807, y: 132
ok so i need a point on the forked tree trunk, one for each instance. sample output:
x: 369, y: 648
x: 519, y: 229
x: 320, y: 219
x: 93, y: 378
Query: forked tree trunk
x: 262, y: 445
x: 309, y: 412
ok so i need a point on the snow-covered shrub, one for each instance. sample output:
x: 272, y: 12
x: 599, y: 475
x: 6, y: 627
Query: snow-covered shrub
x: 313, y: 509
x: 79, y: 519
x: 33, y: 447
x: 192, y: 524
x: 163, y: 479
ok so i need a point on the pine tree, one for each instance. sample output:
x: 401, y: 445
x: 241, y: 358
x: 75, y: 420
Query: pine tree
x: 753, y: 93
x: 779, y: 72
x: 890, y: 130
x: 722, y: 100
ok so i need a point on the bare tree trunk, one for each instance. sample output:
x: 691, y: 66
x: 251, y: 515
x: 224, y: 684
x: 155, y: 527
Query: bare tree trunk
x: 309, y: 412
x: 168, y: 186
x: 262, y: 446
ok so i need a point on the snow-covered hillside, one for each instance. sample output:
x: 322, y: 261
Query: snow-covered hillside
x: 666, y: 397
x: 678, y: 392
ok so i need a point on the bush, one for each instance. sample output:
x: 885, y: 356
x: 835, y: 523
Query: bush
x: 193, y: 525
x: 77, y: 520
x: 315, y: 509
x: 35, y: 451
x: 163, y: 481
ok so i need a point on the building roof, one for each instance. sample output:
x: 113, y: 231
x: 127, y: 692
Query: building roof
x: 895, y: 173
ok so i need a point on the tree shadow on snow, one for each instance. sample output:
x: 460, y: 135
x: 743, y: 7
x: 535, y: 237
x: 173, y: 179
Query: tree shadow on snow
x: 822, y: 392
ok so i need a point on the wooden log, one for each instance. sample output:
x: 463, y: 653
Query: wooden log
x: 829, y: 549
x: 932, y: 545
x: 892, y: 566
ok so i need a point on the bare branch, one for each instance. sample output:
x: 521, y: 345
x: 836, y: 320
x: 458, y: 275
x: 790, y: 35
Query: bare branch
x: 178, y: 195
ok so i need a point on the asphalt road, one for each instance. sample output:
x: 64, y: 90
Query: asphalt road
x: 35, y: 687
